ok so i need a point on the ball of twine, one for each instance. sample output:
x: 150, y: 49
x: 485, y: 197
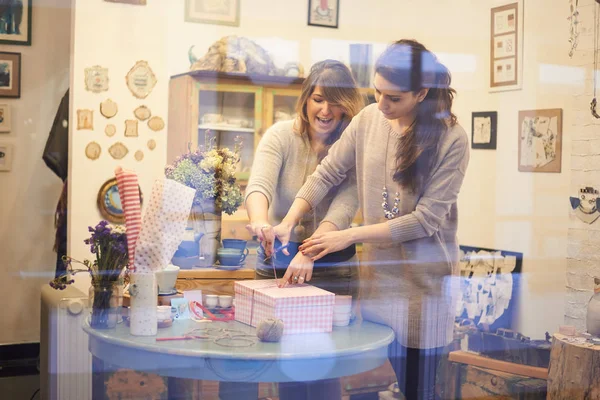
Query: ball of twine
x: 270, y: 330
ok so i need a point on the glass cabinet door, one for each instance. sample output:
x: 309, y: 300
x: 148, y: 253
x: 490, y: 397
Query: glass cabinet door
x: 226, y: 112
x: 280, y: 105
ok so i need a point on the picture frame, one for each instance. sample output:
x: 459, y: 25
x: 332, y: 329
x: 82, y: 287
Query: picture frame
x: 224, y: 12
x: 324, y: 13
x: 506, y: 46
x: 506, y: 319
x: 10, y: 75
x: 484, y: 127
x: 6, y: 156
x: 5, y: 118
x: 540, y: 140
x: 134, y: 2
x: 109, y: 202
x: 17, y: 31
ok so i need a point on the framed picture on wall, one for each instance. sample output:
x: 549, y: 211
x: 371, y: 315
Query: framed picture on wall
x: 4, y: 118
x: 483, y: 130
x: 506, y: 46
x: 219, y: 12
x: 6, y: 154
x: 540, y: 140
x: 15, y: 22
x: 324, y: 13
x: 135, y: 2
x: 10, y: 74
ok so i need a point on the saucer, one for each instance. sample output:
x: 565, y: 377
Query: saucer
x: 229, y: 267
x: 174, y: 291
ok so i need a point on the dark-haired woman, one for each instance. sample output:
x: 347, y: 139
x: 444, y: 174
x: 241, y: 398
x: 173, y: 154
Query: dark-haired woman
x: 410, y: 156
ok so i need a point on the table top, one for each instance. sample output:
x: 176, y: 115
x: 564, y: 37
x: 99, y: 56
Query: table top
x: 356, y: 348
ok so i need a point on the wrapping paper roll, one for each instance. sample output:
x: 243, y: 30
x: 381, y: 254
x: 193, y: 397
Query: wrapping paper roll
x: 163, y: 225
x: 129, y: 193
x: 144, y: 302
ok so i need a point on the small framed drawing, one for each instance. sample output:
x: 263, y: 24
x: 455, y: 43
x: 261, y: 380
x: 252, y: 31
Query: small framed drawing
x: 483, y: 130
x: 134, y: 2
x: 4, y: 118
x: 506, y: 46
x: 15, y: 27
x: 218, y: 12
x: 540, y: 140
x: 10, y: 74
x: 324, y: 13
x: 6, y: 153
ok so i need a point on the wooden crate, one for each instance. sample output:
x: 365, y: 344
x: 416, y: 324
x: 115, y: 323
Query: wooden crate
x: 458, y: 378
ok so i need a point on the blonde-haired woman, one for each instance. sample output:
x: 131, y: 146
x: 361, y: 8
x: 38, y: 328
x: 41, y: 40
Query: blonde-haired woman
x: 286, y: 156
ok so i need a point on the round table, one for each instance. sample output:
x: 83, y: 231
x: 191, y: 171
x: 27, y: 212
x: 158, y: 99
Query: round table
x: 348, y: 350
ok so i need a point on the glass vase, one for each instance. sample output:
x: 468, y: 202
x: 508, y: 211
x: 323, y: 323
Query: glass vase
x: 104, y: 304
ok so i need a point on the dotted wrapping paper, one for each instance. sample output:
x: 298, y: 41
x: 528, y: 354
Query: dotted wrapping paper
x: 163, y: 227
x: 163, y: 224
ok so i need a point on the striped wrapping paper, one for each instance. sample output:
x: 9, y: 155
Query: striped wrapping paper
x: 129, y: 193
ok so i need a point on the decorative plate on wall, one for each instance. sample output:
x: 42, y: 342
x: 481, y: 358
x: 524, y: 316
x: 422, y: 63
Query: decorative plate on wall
x: 109, y: 202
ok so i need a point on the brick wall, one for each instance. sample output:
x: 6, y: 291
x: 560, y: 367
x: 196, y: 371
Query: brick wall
x: 583, y: 252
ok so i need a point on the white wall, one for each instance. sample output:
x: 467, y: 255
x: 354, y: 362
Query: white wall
x: 114, y: 36
x: 500, y: 207
x: 30, y: 190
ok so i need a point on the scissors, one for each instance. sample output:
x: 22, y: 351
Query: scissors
x: 273, y: 256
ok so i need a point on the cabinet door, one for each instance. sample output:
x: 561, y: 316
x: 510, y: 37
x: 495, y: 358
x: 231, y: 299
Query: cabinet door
x: 279, y: 105
x: 228, y: 111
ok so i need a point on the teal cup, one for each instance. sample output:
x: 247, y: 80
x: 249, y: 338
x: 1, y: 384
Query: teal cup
x: 234, y: 244
x: 230, y: 256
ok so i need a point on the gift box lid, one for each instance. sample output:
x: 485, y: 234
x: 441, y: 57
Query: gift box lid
x: 294, y: 296
x: 248, y: 287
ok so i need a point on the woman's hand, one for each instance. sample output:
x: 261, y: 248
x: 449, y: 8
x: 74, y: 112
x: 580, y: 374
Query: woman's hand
x: 299, y: 271
x: 320, y: 244
x: 283, y: 232
x: 265, y: 234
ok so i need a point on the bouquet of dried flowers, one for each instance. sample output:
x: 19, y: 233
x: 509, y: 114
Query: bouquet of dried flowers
x: 109, y: 244
x: 211, y: 172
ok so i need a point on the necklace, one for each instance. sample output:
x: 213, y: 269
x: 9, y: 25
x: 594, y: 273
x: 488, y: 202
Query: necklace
x: 389, y: 214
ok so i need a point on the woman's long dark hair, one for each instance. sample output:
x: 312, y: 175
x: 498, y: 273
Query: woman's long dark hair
x: 409, y: 65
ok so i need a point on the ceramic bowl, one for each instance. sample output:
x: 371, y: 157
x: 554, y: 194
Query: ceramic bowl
x: 211, y: 300
x: 225, y: 301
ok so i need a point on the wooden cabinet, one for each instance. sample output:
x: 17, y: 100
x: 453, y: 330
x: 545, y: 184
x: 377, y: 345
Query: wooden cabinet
x: 211, y: 280
x: 228, y: 105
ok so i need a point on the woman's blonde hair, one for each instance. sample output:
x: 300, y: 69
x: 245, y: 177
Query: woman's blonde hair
x: 338, y: 87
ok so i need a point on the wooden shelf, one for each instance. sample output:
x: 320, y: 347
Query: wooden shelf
x: 225, y: 128
x: 205, y: 76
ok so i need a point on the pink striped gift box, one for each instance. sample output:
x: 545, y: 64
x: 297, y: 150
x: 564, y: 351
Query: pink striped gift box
x: 129, y: 193
x: 302, y: 308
